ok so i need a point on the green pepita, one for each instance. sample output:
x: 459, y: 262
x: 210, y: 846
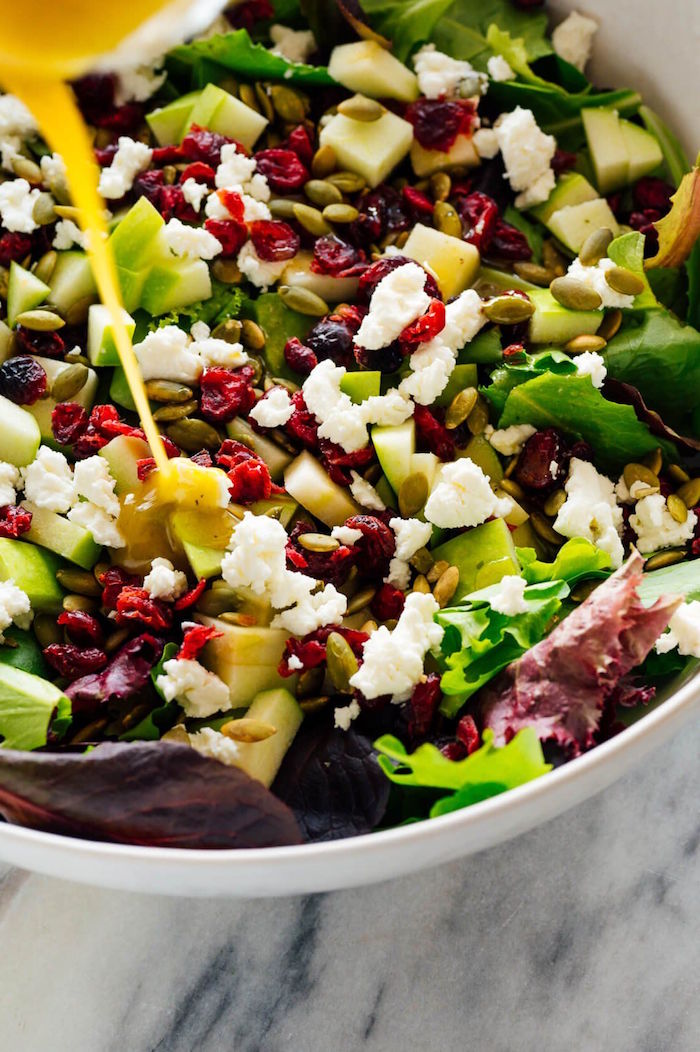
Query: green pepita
x: 46, y: 630
x: 361, y: 599
x: 677, y: 507
x: 77, y: 313
x: 175, y: 411
x: 347, y: 182
x: 226, y: 271
x: 44, y: 211
x: 309, y: 682
x: 115, y: 639
x: 360, y: 108
x: 282, y: 207
x: 552, y: 258
x: 264, y: 103
x: 446, y: 219
x: 509, y: 310
x: 324, y: 162
x: 303, y: 301
x: 584, y: 342
x: 422, y: 561
x: 25, y: 168
x: 69, y: 382
x: 246, y: 93
x: 76, y: 357
x: 252, y: 336
x: 421, y: 584
x: 340, y: 213
x: 690, y: 493
x: 318, y: 542
x: 534, y: 273
x: 193, y: 435
x: 440, y: 186
x: 512, y: 488
x: 478, y: 419
x: 69, y: 212
x: 667, y: 558
x: 82, y: 582
x: 678, y: 474
x: 46, y: 266
x: 460, y: 407
x: 80, y: 602
x: 610, y: 324
x: 553, y: 503
x: 647, y: 482
x: 543, y: 529
x: 247, y: 729
x: 314, y: 704
x: 446, y: 586
x: 322, y: 193
x: 40, y: 320
x: 413, y: 493
x: 574, y: 294
x: 341, y: 662
x: 311, y: 219
x: 624, y: 281
x: 437, y: 570
x: 288, y: 104
x: 595, y: 247
x: 654, y: 460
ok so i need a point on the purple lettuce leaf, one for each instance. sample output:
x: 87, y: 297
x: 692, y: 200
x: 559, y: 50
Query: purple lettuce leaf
x: 561, y: 685
x: 627, y: 394
x: 125, y: 676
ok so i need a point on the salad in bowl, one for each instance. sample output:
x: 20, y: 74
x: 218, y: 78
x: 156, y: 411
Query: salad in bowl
x: 423, y: 304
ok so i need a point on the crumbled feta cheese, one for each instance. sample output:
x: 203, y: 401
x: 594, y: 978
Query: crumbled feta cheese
x: 199, y: 330
x: 399, y: 299
x: 216, y: 746
x: 499, y: 69
x: 592, y: 364
x: 256, y: 556
x: 274, y: 410
x: 573, y: 39
x: 511, y: 439
x: 463, y: 497
x: 17, y: 200
x: 163, y: 581
x: 365, y: 494
x: 510, y: 599
x: 594, y: 278
x: 294, y: 663
x: 393, y: 661
x: 591, y: 510
x: 411, y: 535
x: 292, y: 44
x: 199, y: 691
x: 9, y: 483
x: 102, y: 526
x: 194, y: 193
x: 346, y: 534
x: 683, y: 631
x: 527, y: 153
x: 68, y: 234
x: 440, y: 74
x: 259, y: 272
x: 15, y: 118
x: 432, y: 364
x: 215, y: 208
x: 96, y: 505
x: 10, y: 150
x: 553, y: 468
x: 655, y: 526
x: 131, y: 158
x: 485, y: 143
x: 311, y: 609
x: 235, y: 169
x: 219, y: 353
x: 345, y: 714
x: 166, y: 354
x: 637, y: 490
x: 15, y: 607
x: 137, y: 85
x: 53, y: 169
x: 48, y: 480
x: 464, y: 318
x: 387, y: 410
x: 191, y: 241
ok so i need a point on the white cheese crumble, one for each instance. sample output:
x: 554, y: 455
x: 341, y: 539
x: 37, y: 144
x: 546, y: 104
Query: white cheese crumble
x: 655, y: 526
x: 527, y: 153
x: 509, y: 599
x: 68, y: 234
x: 216, y: 746
x: 364, y: 493
x: 17, y: 200
x: 163, y: 581
x: 440, y: 74
x: 510, y: 440
x: 166, y: 354
x: 411, y: 535
x: 138, y: 84
x: 53, y: 170
x: 345, y: 714
x: 294, y: 663
x: 485, y: 143
x: 215, y: 352
x: 131, y: 158
x: 237, y: 172
x: 399, y: 299
x: 48, y: 480
x: 259, y: 272
x: 9, y: 483
x: 97, y: 506
x: 573, y: 39
x: 15, y: 118
x: 592, y: 364
x: 190, y: 241
x: 553, y: 468
x: 200, y: 692
x: 392, y: 662
x: 683, y: 631
x: 346, y: 535
x: 594, y: 278
x: 591, y: 510
x: 499, y: 69
x: 274, y: 410
x: 15, y: 607
x: 194, y: 193
x: 433, y: 362
x: 296, y: 45
x: 463, y: 497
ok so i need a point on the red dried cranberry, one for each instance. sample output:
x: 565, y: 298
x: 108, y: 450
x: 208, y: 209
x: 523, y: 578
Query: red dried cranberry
x: 22, y: 380
x: 234, y: 204
x: 384, y: 360
x: 224, y: 394
x: 82, y: 627
x: 371, y: 224
x: 653, y: 193
x: 582, y: 451
x: 514, y: 352
x: 47, y: 344
x: 311, y: 650
x: 302, y: 424
x: 248, y: 474
x: 299, y: 142
x: 194, y: 640
x: 112, y: 580
x: 299, y: 357
x: 172, y: 204
x: 433, y: 434
x: 96, y: 97
x: 149, y: 185
x: 200, y: 172
x: 424, y: 328
x: 480, y: 213
x: 454, y: 751
x: 419, y: 203
x: 191, y: 597
x: 339, y: 464
x: 231, y: 234
x: 145, y: 467
x: 203, y: 458
x: 332, y: 338
x: 468, y: 734
x: 563, y: 161
x: 423, y: 706
x: 73, y: 661
x: 14, y: 520
x: 351, y: 314
x: 331, y: 567
x: 438, y: 122
x: 283, y: 170
x: 245, y: 15
x: 200, y: 144
x: 14, y: 247
x: 379, y: 270
x: 507, y: 242
x: 87, y: 444
x: 335, y: 257
x: 388, y: 603
x: 375, y: 548
x: 136, y: 604
x: 534, y: 468
x: 274, y: 240
x: 167, y: 155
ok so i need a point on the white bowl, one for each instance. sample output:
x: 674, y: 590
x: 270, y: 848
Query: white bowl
x: 641, y: 44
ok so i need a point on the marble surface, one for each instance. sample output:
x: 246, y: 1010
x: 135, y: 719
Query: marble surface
x: 582, y: 936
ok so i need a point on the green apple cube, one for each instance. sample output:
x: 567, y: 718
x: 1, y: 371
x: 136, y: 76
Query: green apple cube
x: 276, y: 458
x: 205, y: 562
x: 6, y: 341
x: 262, y: 760
x: 168, y: 122
x: 571, y: 189
x: 572, y: 224
x: 27, y: 703
x: 60, y: 535
x: 71, y: 280
x: 455, y: 263
x: 487, y: 546
x: 122, y: 455
x: 308, y: 483
x: 461, y: 154
x: 279, y: 324
x: 370, y: 69
x: 101, y: 345
x: 20, y: 435
x: 462, y: 376
x: 246, y: 659
x: 643, y: 151
x: 333, y: 290
x: 34, y: 571
x: 607, y: 148
x: 24, y: 292
x: 134, y: 241
x: 362, y: 385
x: 283, y: 506
x: 552, y: 323
x: 131, y: 283
x: 425, y: 464
x: 223, y: 113
x: 394, y: 447
x: 42, y: 410
x: 120, y: 392
x: 482, y: 453
x: 371, y: 148
x: 172, y: 285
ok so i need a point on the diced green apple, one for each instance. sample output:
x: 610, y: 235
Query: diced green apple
x: 371, y: 148
x: 425, y: 464
x: 571, y: 189
x: 20, y: 436
x: 171, y: 285
x: 279, y: 324
x: 6, y: 341
x: 455, y: 263
x: 34, y: 571
x: 483, y: 454
x: 101, y: 346
x: 43, y: 409
x: 28, y: 703
x: 462, y: 376
x: 573, y: 223
x: 119, y: 391
x: 246, y: 659
x: 168, y: 122
x: 24, y: 292
x: 60, y: 535
x: 122, y: 455
x: 333, y: 290
x: 71, y: 280
x: 205, y: 562
x: 552, y: 323
x: 394, y: 447
x: 368, y: 68
x: 361, y: 385
x: 643, y: 150
x: 276, y: 458
x: 462, y: 154
x: 283, y: 507
x: 486, y: 550
x: 280, y: 709
x: 311, y: 487
x: 221, y: 112
x: 607, y: 148
x: 134, y: 241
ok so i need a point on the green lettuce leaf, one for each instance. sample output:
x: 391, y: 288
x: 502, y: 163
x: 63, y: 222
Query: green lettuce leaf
x: 693, y: 271
x: 674, y: 155
x: 506, y: 377
x: 576, y: 559
x: 514, y: 51
x: 487, y: 772
x: 28, y: 704
x: 628, y: 252
x: 573, y: 405
x: 225, y: 302
x: 22, y: 650
x: 407, y: 23
x: 680, y: 579
x: 236, y: 53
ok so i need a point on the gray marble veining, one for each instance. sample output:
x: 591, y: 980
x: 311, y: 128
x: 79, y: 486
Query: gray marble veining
x: 582, y: 936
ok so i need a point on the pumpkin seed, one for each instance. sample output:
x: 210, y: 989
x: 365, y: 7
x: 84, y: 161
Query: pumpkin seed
x: 252, y: 335
x: 574, y: 294
x: 69, y: 212
x: 440, y: 186
x: 639, y: 473
x: 402, y: 238
x: 46, y: 630
x: 99, y: 570
x: 478, y: 419
x: 79, y: 602
x: 668, y: 558
x: 75, y: 357
x: 534, y: 273
x: 170, y: 174
x: 303, y: 301
x: 246, y: 93
x: 512, y: 488
x: 90, y: 733
x: 360, y: 108
x: 282, y: 207
x: 595, y: 247
x: 509, y: 310
x: 654, y: 460
x: 554, y: 502
x: 678, y: 474
x: 677, y: 507
x: 40, y: 320
x: 247, y: 730
x: 361, y: 599
x: 288, y: 104
x: 69, y: 381
x: 422, y: 561
x: 115, y: 640
x: 460, y: 407
x: 347, y: 182
x: 511, y: 465
x: 690, y: 493
x: 323, y: 162
x: 437, y: 570
x: 264, y: 103
x: 309, y: 682
x: 583, y: 590
x: 624, y: 281
x: 193, y: 435
x: 322, y: 193
x: 46, y: 266
x: 340, y: 213
x: 543, y: 529
x: 311, y: 219
x: 230, y: 331
x: 25, y: 168
x: 552, y: 258
x: 177, y: 734
x: 311, y: 705
x: 226, y: 271
x: 318, y: 542
x: 77, y: 312
x: 176, y: 411
x: 446, y: 586
x: 446, y: 219
x: 167, y: 391
x: 341, y: 662
x: 44, y: 211
x: 610, y: 324
x: 421, y: 584
x: 413, y: 493
x: 584, y: 342
x: 370, y: 626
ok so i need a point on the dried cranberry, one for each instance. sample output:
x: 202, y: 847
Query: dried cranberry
x: 73, y: 661
x: 351, y: 314
x: 145, y: 467
x: 192, y: 596
x: 480, y: 213
x: 82, y: 627
x: 302, y: 424
x: 331, y: 567
x: 507, y: 242
x: 453, y: 750
x: 563, y: 161
x: 248, y: 474
x: 274, y: 240
x: 200, y: 172
x: 514, y: 353
x: 423, y: 706
x: 468, y: 734
x: 22, y: 380
x: 167, y: 155
x: 112, y: 580
x: 283, y: 170
x: 47, y: 344
x: 136, y: 604
x: 388, y: 603
x: 174, y: 205
x: 332, y: 338
x: 96, y: 97
x: 200, y: 144
x: 225, y: 394
x: 245, y: 15
x: 231, y: 234
x: 150, y: 185
x: 299, y: 357
x: 299, y: 142
x: 194, y: 640
x: 379, y: 270
x: 233, y: 203
x: 371, y: 224
x: 534, y: 467
x: 438, y: 122
x: 203, y: 458
x: 311, y: 650
x: 337, y: 258
x: 582, y: 451
x: 419, y: 203
x: 339, y: 464
x: 375, y: 548
x: 423, y: 328
x: 384, y: 360
x: 87, y: 444
x: 14, y: 247
x: 653, y: 193
x: 14, y: 520
x: 433, y: 434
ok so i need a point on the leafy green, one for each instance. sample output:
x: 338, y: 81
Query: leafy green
x: 692, y: 267
x: 680, y: 579
x: 573, y: 405
x: 407, y: 23
x: 226, y: 301
x: 487, y: 772
x: 22, y: 650
x: 659, y: 356
x: 463, y: 32
x: 160, y: 719
x: 515, y: 53
x: 279, y: 324
x: 670, y: 286
x: 679, y: 229
x: 506, y: 377
x: 628, y: 252
x: 484, y: 349
x: 534, y: 232
x: 27, y: 706
x: 237, y: 53
x: 674, y: 154
x: 576, y: 559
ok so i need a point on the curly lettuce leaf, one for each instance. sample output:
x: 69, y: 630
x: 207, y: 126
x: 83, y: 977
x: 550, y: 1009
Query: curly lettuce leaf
x: 236, y: 53
x: 506, y: 377
x: 576, y: 559
x: 225, y: 302
x: 679, y: 229
x: 628, y: 252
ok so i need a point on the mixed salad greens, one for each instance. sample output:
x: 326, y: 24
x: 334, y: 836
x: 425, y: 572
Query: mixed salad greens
x: 425, y: 302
